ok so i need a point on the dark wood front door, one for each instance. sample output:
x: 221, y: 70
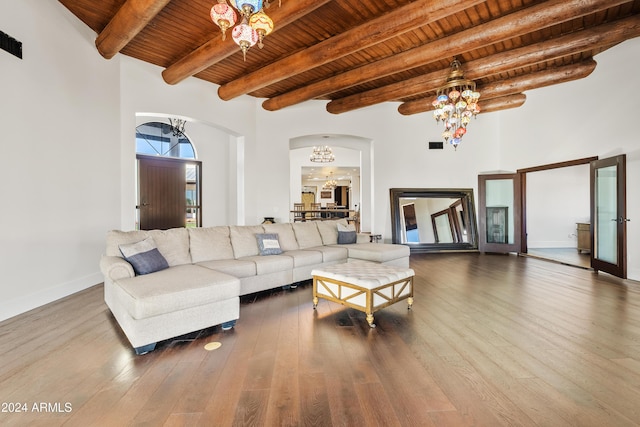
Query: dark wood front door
x: 162, y: 196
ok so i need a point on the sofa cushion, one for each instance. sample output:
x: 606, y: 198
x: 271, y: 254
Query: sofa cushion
x: 174, y: 289
x: 173, y: 244
x: 271, y: 263
x: 331, y: 253
x: 243, y: 240
x: 234, y: 267
x: 210, y: 244
x: 307, y: 234
x: 268, y: 244
x: 378, y: 252
x: 304, y: 257
x: 285, y: 233
x: 144, y: 256
x: 329, y: 230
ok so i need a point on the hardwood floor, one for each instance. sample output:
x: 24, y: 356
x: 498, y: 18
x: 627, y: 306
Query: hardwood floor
x: 492, y: 340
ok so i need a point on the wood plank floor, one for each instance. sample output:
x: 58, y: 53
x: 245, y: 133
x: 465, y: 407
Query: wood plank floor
x: 492, y: 340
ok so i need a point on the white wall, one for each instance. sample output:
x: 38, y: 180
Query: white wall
x: 589, y: 120
x: 557, y: 199
x: 59, y: 168
x: 400, y: 151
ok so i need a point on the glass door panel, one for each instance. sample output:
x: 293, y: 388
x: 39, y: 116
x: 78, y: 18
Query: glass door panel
x: 608, y: 213
x: 500, y: 207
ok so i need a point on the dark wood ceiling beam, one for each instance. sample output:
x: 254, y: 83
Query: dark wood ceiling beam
x: 503, y: 103
x: 130, y: 19
x: 399, y: 21
x: 601, y: 36
x: 515, y: 85
x: 524, y: 21
x: 216, y: 49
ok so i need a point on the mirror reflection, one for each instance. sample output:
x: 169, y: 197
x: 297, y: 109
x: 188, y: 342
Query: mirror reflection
x: 434, y: 219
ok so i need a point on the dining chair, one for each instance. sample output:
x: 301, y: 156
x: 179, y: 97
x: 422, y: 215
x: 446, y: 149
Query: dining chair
x: 298, y: 215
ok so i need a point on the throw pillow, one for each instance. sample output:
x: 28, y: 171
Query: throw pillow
x: 268, y: 244
x: 347, y: 234
x: 144, y: 256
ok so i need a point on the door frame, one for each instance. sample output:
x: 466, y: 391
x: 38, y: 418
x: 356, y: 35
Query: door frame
x: 619, y: 269
x: 523, y: 182
x: 485, y: 246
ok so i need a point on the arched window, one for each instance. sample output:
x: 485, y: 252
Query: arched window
x: 169, y: 178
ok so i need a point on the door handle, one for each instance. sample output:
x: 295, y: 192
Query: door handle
x: 621, y: 220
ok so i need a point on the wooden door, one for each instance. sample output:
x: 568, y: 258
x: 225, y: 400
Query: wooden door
x: 500, y: 217
x: 609, y: 216
x: 162, y: 193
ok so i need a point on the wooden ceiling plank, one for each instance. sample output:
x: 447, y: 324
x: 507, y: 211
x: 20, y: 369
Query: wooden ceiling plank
x: 375, y: 31
x: 524, y: 21
x: 216, y: 49
x: 601, y: 36
x: 130, y: 19
x: 511, y: 86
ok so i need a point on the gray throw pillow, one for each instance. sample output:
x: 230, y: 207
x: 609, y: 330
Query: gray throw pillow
x: 144, y: 256
x: 347, y: 234
x: 268, y: 244
x: 347, y: 237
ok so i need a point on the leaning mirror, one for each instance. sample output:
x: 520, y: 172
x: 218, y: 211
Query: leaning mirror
x: 434, y: 220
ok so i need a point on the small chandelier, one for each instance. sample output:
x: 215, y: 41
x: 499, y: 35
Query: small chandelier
x: 330, y: 184
x: 177, y: 126
x: 322, y: 154
x: 456, y: 102
x: 255, y: 24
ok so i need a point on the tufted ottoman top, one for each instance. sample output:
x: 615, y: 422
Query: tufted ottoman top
x: 366, y: 274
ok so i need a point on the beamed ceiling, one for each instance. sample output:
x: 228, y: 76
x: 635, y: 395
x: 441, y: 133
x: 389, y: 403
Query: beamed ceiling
x: 357, y: 53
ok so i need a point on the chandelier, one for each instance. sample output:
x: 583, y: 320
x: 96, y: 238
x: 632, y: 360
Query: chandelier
x: 177, y: 126
x: 254, y: 26
x: 330, y: 184
x: 456, y: 102
x: 322, y: 154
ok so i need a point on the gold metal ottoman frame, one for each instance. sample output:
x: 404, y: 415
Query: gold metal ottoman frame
x: 398, y: 288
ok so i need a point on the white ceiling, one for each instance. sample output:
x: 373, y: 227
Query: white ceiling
x: 321, y: 172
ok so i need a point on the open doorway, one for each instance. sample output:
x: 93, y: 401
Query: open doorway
x: 557, y: 212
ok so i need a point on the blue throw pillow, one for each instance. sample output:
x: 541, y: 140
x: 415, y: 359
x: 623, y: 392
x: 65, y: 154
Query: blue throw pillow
x: 268, y: 244
x: 144, y: 256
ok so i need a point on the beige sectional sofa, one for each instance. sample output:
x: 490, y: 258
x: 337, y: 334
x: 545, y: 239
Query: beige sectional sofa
x: 209, y: 268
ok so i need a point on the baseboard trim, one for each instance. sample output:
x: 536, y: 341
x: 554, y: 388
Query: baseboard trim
x: 20, y: 305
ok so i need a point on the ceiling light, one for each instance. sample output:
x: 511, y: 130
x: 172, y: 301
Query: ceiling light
x: 456, y: 102
x: 177, y: 126
x: 322, y: 154
x: 254, y: 26
x: 330, y: 184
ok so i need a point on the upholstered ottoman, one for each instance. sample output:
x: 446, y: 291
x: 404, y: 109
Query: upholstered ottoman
x: 362, y: 285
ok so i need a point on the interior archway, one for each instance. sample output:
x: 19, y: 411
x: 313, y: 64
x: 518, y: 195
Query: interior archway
x: 350, y: 147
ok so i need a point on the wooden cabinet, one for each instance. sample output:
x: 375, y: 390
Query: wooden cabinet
x: 584, y: 237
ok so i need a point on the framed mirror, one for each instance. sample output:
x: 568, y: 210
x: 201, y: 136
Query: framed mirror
x: 434, y: 219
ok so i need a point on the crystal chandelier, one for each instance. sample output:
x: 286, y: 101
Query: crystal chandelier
x: 456, y: 102
x: 254, y: 26
x: 322, y: 154
x: 330, y: 184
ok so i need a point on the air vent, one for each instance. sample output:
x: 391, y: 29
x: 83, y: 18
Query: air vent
x: 11, y: 45
x: 439, y: 145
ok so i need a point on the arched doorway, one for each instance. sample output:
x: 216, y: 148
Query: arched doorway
x: 169, y: 177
